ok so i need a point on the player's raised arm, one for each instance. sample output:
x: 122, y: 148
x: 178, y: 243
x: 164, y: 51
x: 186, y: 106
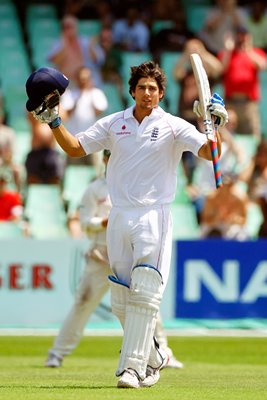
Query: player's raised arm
x: 44, y: 88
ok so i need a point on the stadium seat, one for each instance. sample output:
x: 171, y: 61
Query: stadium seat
x: 248, y: 144
x: 185, y: 225
x: 34, y: 11
x: 195, y: 16
x: 44, y: 208
x: 76, y: 180
x: 181, y: 195
x: 114, y: 99
x: 167, y: 63
x: 7, y: 10
x: 23, y: 140
x: 254, y: 220
x: 160, y: 24
x: 10, y: 230
x: 89, y: 27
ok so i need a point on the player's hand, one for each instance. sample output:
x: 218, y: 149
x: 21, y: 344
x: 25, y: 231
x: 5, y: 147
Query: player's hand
x: 217, y: 109
x: 197, y: 109
x: 48, y: 111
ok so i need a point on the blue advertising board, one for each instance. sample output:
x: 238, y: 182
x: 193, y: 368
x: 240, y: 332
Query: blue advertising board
x: 218, y: 279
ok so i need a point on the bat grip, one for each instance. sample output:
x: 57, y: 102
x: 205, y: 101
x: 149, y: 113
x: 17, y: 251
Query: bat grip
x: 216, y: 163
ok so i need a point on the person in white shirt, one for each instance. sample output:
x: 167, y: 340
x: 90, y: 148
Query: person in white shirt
x: 146, y: 145
x: 83, y: 103
x: 81, y: 106
x: 93, y: 211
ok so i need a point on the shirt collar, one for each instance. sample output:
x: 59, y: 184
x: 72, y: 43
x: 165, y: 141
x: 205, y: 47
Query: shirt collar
x: 156, y: 112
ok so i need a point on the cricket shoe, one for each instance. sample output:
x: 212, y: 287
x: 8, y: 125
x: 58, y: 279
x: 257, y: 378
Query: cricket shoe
x: 152, y: 377
x: 174, y: 363
x: 153, y: 374
x: 53, y: 361
x: 129, y: 379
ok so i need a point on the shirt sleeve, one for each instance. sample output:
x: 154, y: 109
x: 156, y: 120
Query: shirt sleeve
x: 187, y: 136
x: 96, y: 138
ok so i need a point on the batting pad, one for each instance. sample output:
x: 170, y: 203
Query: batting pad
x: 119, y: 298
x: 141, y: 314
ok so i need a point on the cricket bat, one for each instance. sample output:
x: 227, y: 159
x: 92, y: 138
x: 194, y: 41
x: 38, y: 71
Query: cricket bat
x: 204, y: 94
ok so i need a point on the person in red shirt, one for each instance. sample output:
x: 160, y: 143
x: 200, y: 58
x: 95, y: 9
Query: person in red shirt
x: 241, y: 65
x: 11, y: 207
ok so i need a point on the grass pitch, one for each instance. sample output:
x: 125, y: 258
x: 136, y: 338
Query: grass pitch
x: 215, y: 368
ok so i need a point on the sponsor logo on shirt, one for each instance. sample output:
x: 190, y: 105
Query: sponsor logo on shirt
x: 154, y: 134
x: 123, y: 131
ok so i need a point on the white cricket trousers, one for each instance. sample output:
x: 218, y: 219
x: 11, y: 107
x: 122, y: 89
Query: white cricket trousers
x: 139, y: 235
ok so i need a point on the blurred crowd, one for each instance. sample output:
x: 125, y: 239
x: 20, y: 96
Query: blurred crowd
x: 232, y: 43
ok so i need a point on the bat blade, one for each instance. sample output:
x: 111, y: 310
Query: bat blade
x: 204, y: 94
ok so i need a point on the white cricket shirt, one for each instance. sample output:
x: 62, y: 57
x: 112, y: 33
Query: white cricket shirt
x: 142, y: 169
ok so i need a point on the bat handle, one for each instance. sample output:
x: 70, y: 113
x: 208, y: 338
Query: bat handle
x: 216, y: 162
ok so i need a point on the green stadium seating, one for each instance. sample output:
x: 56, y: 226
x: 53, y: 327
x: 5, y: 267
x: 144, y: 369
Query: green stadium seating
x: 45, y: 211
x: 167, y: 63
x: 76, y: 180
x: 40, y: 11
x: 158, y: 25
x: 254, y: 220
x: 114, y: 99
x: 23, y: 139
x: 185, y: 225
x: 10, y: 230
x: 89, y: 27
x: 195, y: 16
x: 181, y: 195
x: 248, y: 144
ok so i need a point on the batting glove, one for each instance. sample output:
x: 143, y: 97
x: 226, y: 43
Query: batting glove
x: 48, y: 111
x: 216, y: 108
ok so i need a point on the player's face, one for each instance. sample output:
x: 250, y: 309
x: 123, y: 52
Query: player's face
x: 147, y: 94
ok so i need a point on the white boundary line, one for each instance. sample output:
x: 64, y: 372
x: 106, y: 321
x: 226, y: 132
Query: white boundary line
x: 118, y: 332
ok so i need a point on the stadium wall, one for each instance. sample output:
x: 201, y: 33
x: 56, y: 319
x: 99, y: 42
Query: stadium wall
x: 210, y: 280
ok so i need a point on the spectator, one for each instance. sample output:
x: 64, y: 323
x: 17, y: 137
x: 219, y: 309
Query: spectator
x: 241, y: 65
x: 221, y: 20
x: 131, y: 33
x: 11, y: 206
x: 82, y: 106
x: 72, y: 51
x: 257, y: 23
x: 44, y: 163
x: 225, y: 212
x: 7, y: 150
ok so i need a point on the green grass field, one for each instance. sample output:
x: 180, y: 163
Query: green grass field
x: 215, y: 368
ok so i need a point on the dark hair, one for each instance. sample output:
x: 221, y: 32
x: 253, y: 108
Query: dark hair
x: 146, y: 70
x: 106, y: 153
